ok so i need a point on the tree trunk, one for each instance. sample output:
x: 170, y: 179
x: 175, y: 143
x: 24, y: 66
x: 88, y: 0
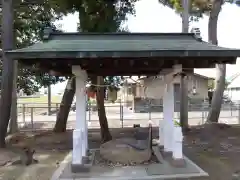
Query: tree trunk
x: 183, y: 80
x: 7, y: 74
x: 105, y: 133
x: 184, y: 104
x: 87, y: 25
x: 49, y: 99
x: 65, y: 106
x: 216, y: 103
x: 13, y: 127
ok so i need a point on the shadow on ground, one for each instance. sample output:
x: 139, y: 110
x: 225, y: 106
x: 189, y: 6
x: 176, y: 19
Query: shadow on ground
x: 52, y: 112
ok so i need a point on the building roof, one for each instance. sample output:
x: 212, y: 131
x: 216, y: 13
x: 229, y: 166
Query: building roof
x: 87, y: 45
x: 202, y: 76
x: 123, y: 53
x: 235, y: 83
x: 209, y: 72
x: 195, y: 74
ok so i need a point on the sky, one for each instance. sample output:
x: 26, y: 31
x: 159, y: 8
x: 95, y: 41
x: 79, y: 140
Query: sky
x: 151, y: 16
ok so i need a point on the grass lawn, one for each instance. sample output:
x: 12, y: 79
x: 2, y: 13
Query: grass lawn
x: 40, y: 99
x: 38, y: 104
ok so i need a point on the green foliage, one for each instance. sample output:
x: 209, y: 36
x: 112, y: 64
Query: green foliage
x: 94, y: 16
x: 211, y: 84
x: 197, y: 7
x: 113, y: 82
x: 29, y: 23
x: 103, y: 16
x: 176, y: 123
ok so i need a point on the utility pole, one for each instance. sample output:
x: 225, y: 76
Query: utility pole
x: 184, y: 83
x: 7, y: 74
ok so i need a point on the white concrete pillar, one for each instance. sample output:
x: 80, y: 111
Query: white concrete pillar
x: 177, y: 143
x: 79, y: 134
x: 77, y: 147
x: 161, y: 133
x: 177, y: 131
x: 168, y: 109
x: 168, y: 116
x: 86, y: 121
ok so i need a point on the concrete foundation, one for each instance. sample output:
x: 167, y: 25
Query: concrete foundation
x: 163, y: 170
x: 87, y: 162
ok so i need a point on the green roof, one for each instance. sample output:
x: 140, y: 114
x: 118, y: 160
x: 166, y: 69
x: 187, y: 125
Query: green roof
x: 80, y: 45
x: 122, y: 53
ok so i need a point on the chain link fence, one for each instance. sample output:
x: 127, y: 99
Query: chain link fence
x: 37, y: 116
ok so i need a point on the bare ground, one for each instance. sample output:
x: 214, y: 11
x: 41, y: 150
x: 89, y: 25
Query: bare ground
x: 49, y: 156
x: 215, y: 148
x: 48, y: 163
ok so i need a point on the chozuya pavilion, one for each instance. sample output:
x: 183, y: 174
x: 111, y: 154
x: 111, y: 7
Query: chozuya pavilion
x: 123, y: 54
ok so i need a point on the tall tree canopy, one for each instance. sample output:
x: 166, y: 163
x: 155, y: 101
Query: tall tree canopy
x: 104, y: 16
x: 31, y: 17
x: 21, y: 26
x: 29, y: 22
x: 95, y: 16
x: 197, y: 7
x: 211, y: 8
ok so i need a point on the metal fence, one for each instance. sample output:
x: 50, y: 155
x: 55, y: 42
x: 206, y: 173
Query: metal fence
x: 39, y: 116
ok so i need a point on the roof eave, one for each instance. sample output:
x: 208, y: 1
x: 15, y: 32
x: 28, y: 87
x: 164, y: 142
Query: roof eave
x: 15, y: 54
x: 203, y: 77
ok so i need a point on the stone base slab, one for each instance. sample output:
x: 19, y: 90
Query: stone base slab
x: 76, y: 168
x: 154, y: 171
x: 87, y: 162
x: 166, y: 154
x: 178, y: 162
